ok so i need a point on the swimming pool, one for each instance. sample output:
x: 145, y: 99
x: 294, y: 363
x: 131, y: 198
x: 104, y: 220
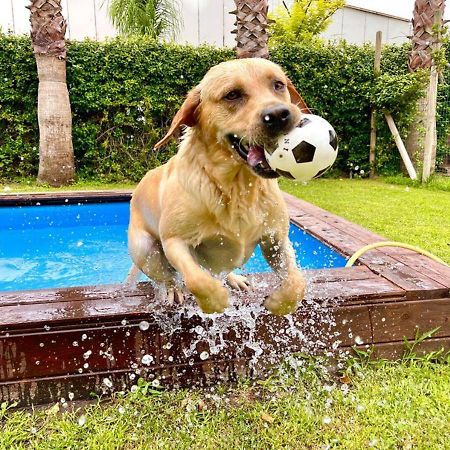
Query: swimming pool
x: 50, y: 246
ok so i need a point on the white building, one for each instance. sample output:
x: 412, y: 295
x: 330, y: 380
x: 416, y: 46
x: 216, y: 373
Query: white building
x: 205, y: 21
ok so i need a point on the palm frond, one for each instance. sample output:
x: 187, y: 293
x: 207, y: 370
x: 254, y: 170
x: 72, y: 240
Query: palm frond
x: 155, y: 18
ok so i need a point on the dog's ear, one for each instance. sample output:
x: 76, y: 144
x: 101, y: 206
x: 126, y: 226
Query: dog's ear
x: 186, y: 115
x: 296, y: 98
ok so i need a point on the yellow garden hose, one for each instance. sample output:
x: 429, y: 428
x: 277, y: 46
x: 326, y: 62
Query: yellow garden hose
x: 365, y: 249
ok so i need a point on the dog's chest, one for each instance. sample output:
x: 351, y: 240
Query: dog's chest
x: 223, y: 254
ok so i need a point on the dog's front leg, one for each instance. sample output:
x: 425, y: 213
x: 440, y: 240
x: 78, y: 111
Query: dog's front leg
x: 280, y: 256
x: 210, y: 294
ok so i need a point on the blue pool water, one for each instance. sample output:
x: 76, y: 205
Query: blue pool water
x: 86, y: 244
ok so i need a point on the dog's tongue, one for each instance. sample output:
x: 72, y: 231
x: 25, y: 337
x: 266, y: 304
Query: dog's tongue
x: 255, y: 155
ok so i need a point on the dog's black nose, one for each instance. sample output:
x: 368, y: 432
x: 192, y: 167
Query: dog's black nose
x: 276, y: 118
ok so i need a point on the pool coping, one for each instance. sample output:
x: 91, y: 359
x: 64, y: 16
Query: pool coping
x: 389, y: 296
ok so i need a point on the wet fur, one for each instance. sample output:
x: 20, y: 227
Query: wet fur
x: 206, y: 207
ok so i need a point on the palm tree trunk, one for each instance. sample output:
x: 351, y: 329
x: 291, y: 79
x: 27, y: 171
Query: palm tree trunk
x: 56, y: 157
x: 251, y: 28
x: 424, y: 41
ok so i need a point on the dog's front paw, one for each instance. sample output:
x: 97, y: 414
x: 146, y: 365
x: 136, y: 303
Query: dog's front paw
x: 285, y: 299
x: 212, y: 298
x: 238, y: 282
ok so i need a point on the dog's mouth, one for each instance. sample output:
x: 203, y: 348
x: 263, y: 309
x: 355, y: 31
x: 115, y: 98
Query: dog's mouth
x: 253, y: 155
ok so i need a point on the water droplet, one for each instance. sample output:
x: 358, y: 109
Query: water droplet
x: 107, y: 382
x: 144, y: 325
x: 83, y: 337
x: 147, y: 360
x: 121, y: 409
x: 204, y: 355
x: 71, y: 396
x: 358, y: 340
x: 326, y: 420
x: 155, y: 383
x: 82, y: 420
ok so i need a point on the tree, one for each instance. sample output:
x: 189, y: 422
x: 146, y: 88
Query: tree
x: 425, y: 37
x: 251, y: 28
x: 304, y: 21
x: 154, y: 18
x: 56, y: 158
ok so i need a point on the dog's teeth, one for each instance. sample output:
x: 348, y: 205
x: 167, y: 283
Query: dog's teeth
x: 235, y: 135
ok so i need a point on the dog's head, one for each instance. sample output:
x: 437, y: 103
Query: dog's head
x: 244, y: 105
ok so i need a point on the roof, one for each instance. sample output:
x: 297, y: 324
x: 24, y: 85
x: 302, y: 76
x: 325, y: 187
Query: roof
x: 378, y: 13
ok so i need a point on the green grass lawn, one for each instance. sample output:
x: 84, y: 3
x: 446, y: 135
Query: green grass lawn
x: 379, y: 405
x: 383, y: 406
x: 400, y: 212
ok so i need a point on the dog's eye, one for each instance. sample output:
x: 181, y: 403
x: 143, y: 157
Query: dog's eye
x: 233, y: 95
x: 278, y: 85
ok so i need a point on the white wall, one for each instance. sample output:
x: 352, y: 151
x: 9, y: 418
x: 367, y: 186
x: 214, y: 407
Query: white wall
x: 359, y: 26
x: 205, y: 21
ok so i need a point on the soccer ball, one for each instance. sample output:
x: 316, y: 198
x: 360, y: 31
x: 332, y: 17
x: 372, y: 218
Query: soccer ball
x: 307, y: 151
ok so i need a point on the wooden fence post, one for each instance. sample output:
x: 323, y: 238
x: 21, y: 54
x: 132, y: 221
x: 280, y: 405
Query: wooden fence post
x: 373, y: 120
x: 401, y: 147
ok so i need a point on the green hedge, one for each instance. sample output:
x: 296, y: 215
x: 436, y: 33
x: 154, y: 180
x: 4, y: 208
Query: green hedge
x: 124, y: 92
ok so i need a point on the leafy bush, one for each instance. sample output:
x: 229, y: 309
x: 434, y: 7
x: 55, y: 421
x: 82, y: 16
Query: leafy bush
x: 124, y: 93
x: 303, y: 21
x: 337, y: 82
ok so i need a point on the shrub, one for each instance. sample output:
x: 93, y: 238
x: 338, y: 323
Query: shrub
x: 303, y: 21
x: 124, y: 93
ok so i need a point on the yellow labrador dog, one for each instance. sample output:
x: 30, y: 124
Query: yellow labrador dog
x: 204, y: 211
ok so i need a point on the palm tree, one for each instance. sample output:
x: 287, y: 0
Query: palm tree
x: 424, y: 40
x: 251, y: 28
x: 154, y: 18
x: 56, y: 159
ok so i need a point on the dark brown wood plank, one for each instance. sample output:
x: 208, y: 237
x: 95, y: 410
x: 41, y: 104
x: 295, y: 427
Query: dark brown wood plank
x: 395, y: 350
x: 353, y: 325
x: 396, y: 321
x: 67, y: 197
x: 339, y: 274
x: 114, y: 291
x: 351, y: 292
x: 52, y: 389
x: 337, y: 239
x: 104, y: 347
x: 74, y: 294
x: 80, y: 305
x: 428, y: 267
x: 417, y: 286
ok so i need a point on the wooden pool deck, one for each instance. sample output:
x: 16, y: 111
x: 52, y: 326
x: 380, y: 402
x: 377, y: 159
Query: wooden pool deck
x: 81, y: 340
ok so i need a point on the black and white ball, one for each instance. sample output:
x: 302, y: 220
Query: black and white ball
x: 307, y: 151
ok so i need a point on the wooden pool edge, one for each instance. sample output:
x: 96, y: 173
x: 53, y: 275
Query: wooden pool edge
x: 45, y: 335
